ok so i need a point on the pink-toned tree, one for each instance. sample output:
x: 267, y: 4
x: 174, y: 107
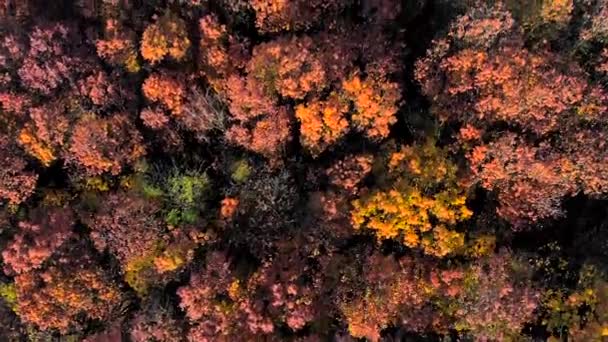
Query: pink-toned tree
x: 37, y: 239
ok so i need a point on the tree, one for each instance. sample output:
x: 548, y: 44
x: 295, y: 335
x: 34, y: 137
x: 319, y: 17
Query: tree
x: 287, y: 66
x: 595, y: 27
x: 44, y: 136
x: 530, y: 182
x: 16, y: 183
x: 50, y: 62
x: 259, y: 124
x: 100, y: 145
x: 200, y: 300
x: 127, y: 226
x: 273, y: 15
x: 495, y: 306
x: 221, y: 52
x: 37, y: 240
x: 348, y: 173
x: 168, y: 91
x: 322, y: 123
x: 417, y: 208
x: 119, y: 46
x: 155, y: 323
x: 166, y: 37
x: 71, y: 287
x: 482, y: 75
x: 392, y: 288
x: 375, y: 103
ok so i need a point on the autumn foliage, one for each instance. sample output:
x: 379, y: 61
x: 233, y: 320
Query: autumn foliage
x: 303, y: 170
x: 491, y: 78
x: 69, y: 288
x: 37, y: 240
x: 101, y: 145
x: 166, y: 37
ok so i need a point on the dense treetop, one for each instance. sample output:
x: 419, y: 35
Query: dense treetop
x: 303, y: 170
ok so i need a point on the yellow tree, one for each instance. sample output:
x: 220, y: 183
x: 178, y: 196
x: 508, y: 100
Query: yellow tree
x: 420, y: 204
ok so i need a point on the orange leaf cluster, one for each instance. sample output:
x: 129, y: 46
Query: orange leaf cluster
x: 167, y: 37
x: 322, y: 123
x: 119, y: 47
x: 229, y: 207
x: 101, y: 145
x: 375, y: 103
x: 71, y: 288
x: 44, y: 135
x: 287, y: 66
x: 167, y: 90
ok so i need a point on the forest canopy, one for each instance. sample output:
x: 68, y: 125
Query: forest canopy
x: 303, y: 170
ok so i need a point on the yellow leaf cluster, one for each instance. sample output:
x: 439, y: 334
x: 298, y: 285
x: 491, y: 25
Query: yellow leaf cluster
x: 557, y: 11
x: 409, y: 215
x: 419, y: 203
